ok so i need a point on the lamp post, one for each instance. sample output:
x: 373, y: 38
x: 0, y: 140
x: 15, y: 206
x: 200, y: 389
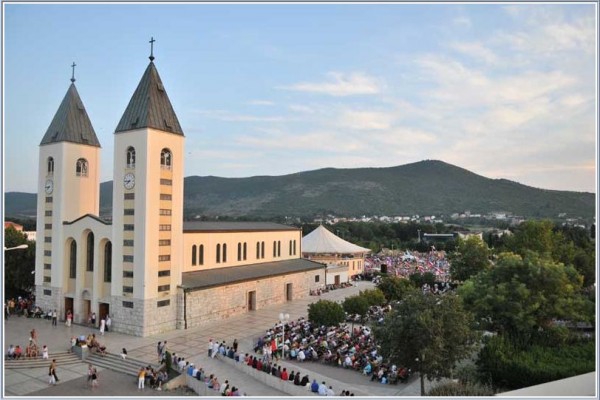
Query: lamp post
x: 19, y: 247
x: 284, y: 317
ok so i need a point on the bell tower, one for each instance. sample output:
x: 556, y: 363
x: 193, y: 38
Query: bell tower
x: 68, y: 188
x: 147, y: 209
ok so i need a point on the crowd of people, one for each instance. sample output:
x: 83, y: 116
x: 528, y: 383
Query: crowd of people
x: 405, y: 264
x: 340, y: 346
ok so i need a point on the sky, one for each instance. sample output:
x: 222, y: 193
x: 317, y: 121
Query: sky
x: 503, y: 90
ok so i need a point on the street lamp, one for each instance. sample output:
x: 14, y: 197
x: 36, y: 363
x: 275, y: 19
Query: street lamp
x: 284, y: 317
x: 19, y: 247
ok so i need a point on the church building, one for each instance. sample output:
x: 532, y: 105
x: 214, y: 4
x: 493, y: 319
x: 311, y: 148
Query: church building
x: 147, y: 268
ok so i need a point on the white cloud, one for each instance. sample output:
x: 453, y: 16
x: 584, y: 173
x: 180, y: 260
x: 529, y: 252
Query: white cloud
x: 462, y: 21
x: 223, y: 115
x: 365, y: 120
x: 475, y: 50
x: 301, y: 108
x: 261, y: 103
x: 340, y: 84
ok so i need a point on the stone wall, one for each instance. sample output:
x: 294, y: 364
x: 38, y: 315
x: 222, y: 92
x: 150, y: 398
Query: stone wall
x: 229, y: 300
x: 49, y: 302
x: 145, y: 318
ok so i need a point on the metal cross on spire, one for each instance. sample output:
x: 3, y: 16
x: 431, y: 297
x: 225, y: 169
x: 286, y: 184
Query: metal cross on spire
x: 73, y: 75
x: 152, y: 48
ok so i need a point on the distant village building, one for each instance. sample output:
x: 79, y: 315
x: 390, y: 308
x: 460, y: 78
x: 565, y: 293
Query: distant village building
x: 343, y: 259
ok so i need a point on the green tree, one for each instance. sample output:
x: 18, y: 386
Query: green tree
x: 471, y: 257
x: 523, y: 294
x: 19, y: 265
x: 373, y: 297
x: 427, y: 333
x: 325, y: 312
x: 395, y: 288
x: 531, y: 235
x: 419, y: 279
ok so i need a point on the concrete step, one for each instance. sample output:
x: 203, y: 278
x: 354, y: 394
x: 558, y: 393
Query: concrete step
x: 114, y: 362
x: 64, y: 358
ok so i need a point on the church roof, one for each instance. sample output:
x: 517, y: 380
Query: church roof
x: 322, y: 241
x: 229, y: 226
x: 71, y: 122
x: 150, y: 106
x: 207, y: 278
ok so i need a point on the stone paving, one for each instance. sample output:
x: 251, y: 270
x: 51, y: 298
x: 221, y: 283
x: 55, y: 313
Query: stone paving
x: 191, y: 343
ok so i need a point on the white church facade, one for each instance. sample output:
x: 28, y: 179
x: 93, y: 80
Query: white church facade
x: 147, y: 268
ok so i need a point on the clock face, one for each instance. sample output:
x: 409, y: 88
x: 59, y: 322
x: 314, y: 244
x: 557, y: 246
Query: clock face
x: 129, y: 181
x: 49, y: 186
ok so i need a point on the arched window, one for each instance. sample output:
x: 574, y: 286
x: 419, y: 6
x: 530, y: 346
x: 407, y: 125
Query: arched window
x: 201, y: 254
x: 218, y: 253
x: 245, y: 248
x: 165, y: 159
x: 239, y: 252
x: 294, y: 247
x: 194, y: 255
x: 82, y: 167
x: 224, y: 252
x: 130, y: 157
x: 90, y: 252
x: 50, y: 166
x: 108, y: 262
x: 73, y: 260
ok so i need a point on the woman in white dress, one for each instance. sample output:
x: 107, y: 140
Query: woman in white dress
x: 102, y: 326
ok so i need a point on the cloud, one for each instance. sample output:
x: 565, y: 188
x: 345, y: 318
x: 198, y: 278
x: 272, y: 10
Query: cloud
x: 261, y: 103
x: 462, y: 21
x: 365, y: 120
x: 223, y: 115
x: 475, y: 50
x: 340, y: 84
x: 301, y: 108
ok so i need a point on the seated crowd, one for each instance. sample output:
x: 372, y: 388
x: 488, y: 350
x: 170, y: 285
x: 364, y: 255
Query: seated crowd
x: 337, y: 346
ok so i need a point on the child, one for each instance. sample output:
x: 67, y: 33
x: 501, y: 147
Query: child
x: 45, y: 352
x: 124, y: 353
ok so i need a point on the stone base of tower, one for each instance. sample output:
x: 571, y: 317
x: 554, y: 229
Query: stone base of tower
x: 143, y: 317
x: 50, y: 298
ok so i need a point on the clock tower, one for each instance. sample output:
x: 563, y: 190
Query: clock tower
x: 147, y: 210
x: 68, y: 187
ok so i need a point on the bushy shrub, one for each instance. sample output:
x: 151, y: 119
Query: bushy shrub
x: 512, y: 366
x: 461, y: 389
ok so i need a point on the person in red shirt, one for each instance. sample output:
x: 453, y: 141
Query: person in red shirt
x: 284, y: 375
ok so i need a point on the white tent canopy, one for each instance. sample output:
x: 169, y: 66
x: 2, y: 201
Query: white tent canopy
x: 322, y: 241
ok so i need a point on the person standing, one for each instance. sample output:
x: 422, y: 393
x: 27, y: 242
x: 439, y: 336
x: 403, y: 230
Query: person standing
x: 53, y: 370
x: 94, y: 319
x: 210, y: 347
x: 69, y: 318
x: 141, y: 377
x: 108, y: 323
x: 102, y: 326
x: 94, y: 378
x: 235, y: 345
x: 54, y: 318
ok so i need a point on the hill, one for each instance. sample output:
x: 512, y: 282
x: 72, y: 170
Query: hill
x: 425, y: 188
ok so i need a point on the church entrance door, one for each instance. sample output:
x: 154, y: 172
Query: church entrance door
x: 252, y: 300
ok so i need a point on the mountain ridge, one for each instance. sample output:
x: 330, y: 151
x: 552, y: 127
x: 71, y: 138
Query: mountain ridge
x: 428, y: 187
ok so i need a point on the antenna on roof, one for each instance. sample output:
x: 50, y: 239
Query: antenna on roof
x: 73, y: 74
x: 152, y: 48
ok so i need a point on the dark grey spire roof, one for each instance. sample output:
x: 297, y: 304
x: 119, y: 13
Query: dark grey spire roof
x: 150, y: 106
x: 71, y: 122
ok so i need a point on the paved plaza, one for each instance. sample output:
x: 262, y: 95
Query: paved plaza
x: 191, y: 344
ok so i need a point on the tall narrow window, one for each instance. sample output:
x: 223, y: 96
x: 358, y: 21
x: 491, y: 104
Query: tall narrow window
x: 73, y: 260
x: 279, y: 248
x: 50, y: 166
x: 290, y: 248
x: 165, y: 159
x: 224, y: 252
x: 294, y: 247
x: 239, y: 252
x: 262, y: 250
x: 245, y: 248
x: 81, y: 168
x: 130, y: 157
x: 218, y: 253
x: 257, y: 250
x: 274, y: 248
x: 108, y: 262
x: 194, y: 255
x: 90, y: 252
x: 201, y: 254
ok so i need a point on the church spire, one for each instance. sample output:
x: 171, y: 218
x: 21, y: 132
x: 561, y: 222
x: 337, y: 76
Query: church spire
x: 71, y: 122
x: 150, y: 106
